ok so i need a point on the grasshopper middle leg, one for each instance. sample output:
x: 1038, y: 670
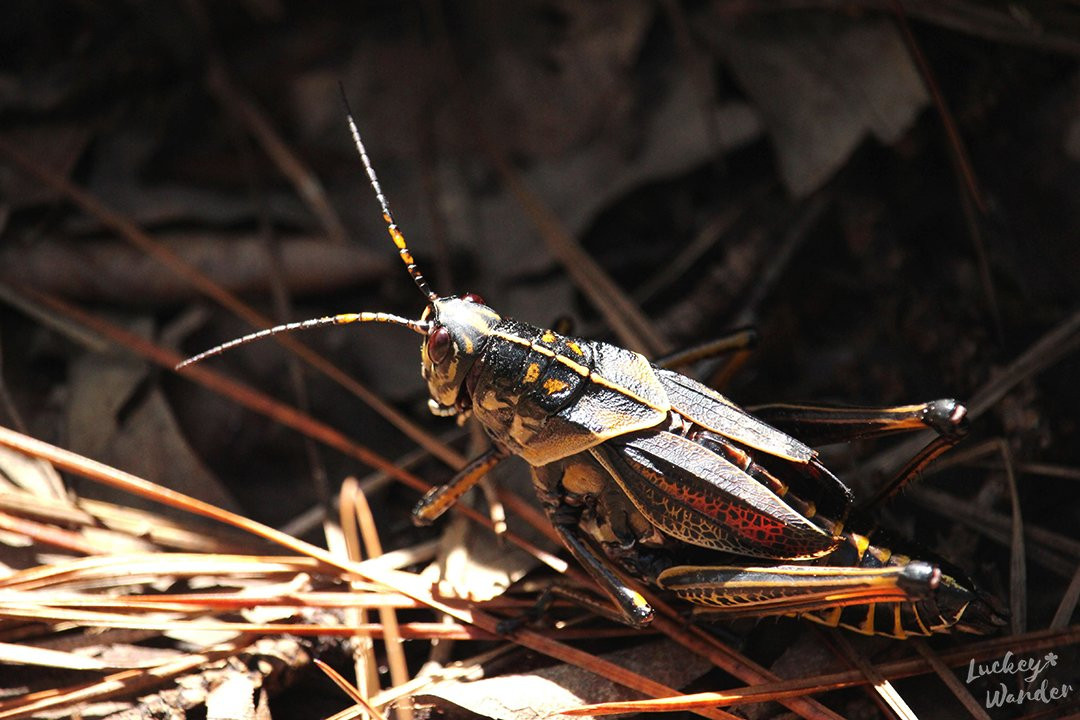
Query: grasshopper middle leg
x: 564, y: 489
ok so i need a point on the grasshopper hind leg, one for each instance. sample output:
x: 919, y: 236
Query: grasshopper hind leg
x: 862, y: 587
x: 898, y: 601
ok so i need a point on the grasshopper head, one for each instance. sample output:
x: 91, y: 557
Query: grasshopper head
x: 458, y: 328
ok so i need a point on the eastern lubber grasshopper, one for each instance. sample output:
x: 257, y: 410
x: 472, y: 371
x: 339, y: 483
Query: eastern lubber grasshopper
x: 650, y: 471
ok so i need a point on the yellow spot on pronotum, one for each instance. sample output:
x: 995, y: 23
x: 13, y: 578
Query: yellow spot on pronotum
x: 638, y: 600
x: 532, y: 373
x: 552, y: 386
x: 548, y: 336
x: 575, y: 347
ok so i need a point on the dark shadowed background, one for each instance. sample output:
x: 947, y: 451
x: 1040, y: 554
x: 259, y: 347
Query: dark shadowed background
x: 891, y: 198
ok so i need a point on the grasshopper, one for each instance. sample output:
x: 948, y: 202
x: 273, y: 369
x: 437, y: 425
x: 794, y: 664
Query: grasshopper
x: 645, y: 471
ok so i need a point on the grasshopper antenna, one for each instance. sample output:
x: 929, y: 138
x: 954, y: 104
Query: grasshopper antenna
x: 417, y: 326
x: 391, y: 226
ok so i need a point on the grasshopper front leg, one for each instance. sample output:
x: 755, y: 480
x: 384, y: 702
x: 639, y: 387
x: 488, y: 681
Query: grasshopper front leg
x: 441, y: 498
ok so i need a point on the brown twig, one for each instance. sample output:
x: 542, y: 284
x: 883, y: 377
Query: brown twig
x: 50, y: 535
x: 130, y: 232
x: 305, y: 181
x: 349, y: 690
x: 1017, y: 556
x: 1057, y: 343
x: 972, y: 199
x: 881, y: 691
x: 1030, y: 643
x: 363, y: 650
x: 1067, y: 606
x: 947, y: 676
x: 395, y: 651
x: 278, y: 411
x: 402, y: 582
x: 620, y: 312
x: 977, y: 19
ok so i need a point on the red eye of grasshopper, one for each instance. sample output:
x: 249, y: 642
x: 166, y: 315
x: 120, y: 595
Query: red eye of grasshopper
x: 438, y: 345
x: 473, y: 298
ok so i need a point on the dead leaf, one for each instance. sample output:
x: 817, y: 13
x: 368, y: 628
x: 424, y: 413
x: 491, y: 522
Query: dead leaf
x: 233, y: 698
x: 32, y: 475
x: 577, y: 186
x: 579, y: 68
x: 822, y: 83
x: 143, y: 438
x: 114, y: 271
x: 544, y: 692
x: 472, y: 562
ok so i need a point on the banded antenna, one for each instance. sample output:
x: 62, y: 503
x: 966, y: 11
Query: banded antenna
x: 418, y: 326
x: 388, y: 217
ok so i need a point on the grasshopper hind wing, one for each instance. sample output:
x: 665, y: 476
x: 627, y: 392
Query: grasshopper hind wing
x: 692, y: 494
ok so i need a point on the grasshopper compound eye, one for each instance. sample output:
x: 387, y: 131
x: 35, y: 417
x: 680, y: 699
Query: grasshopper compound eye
x: 438, y: 345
